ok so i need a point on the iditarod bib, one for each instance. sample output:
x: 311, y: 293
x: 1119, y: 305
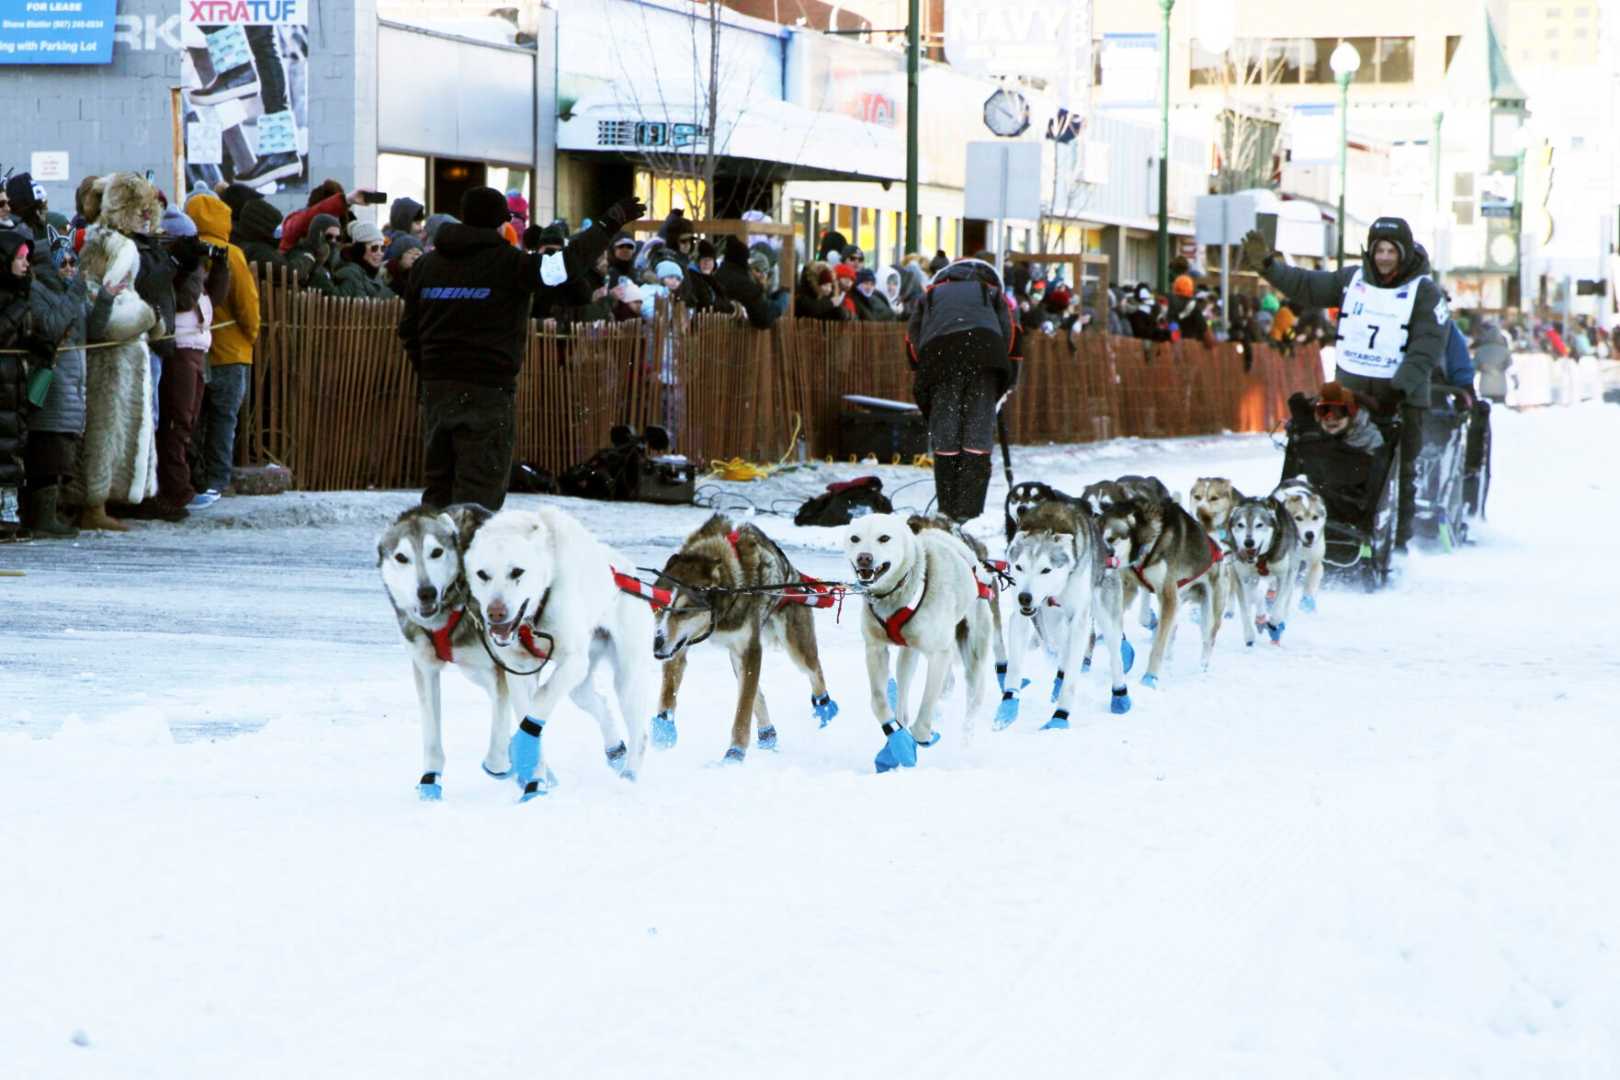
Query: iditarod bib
x: 1373, y: 326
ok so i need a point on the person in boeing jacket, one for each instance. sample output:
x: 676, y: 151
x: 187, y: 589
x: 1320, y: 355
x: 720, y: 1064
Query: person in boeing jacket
x: 465, y: 329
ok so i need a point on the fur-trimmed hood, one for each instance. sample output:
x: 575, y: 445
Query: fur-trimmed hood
x: 129, y: 204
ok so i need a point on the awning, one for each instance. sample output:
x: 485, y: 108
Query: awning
x: 813, y: 144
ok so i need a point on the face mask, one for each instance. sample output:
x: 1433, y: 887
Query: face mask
x: 552, y: 270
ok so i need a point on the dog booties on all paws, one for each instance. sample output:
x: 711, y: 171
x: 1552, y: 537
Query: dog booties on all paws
x: 539, y: 786
x: 1121, y: 703
x: 824, y: 708
x: 618, y: 757
x: 1127, y: 654
x: 1059, y: 721
x: 1275, y: 629
x: 734, y: 756
x: 524, y: 751
x: 428, y: 788
x: 663, y: 730
x: 767, y: 738
x: 899, y: 751
x: 1307, y: 603
x: 1006, y: 712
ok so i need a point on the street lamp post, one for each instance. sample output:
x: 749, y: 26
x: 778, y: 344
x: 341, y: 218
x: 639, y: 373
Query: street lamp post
x: 913, y: 66
x: 1345, y: 61
x: 1164, y: 149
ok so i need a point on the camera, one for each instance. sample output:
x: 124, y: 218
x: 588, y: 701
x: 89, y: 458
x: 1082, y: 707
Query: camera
x: 215, y: 251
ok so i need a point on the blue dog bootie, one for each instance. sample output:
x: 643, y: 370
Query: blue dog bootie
x: 524, y: 750
x: 1006, y: 712
x: 899, y: 749
x: 824, y: 708
x: 663, y: 730
x: 428, y: 788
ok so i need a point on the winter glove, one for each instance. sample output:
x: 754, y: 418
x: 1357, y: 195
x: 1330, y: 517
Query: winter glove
x: 1255, y: 252
x: 625, y: 210
x: 1462, y: 398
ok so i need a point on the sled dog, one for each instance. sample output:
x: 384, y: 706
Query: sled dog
x: 1309, y: 511
x: 1212, y: 499
x: 1104, y: 494
x: 1163, y: 552
x: 420, y: 556
x: 1063, y: 584
x: 982, y: 567
x: 704, y: 578
x: 1266, y: 550
x: 923, y: 597
x: 552, y: 598
x: 1024, y: 497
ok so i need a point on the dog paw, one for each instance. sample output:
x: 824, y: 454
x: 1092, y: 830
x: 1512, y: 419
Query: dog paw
x: 933, y: 740
x: 824, y: 708
x: 899, y: 752
x: 538, y: 787
x: 767, y: 738
x: 617, y: 757
x: 1059, y: 721
x: 524, y: 750
x: 428, y: 788
x: 1150, y: 680
x: 663, y: 730
x: 1121, y: 704
x: 503, y: 774
x: 1006, y: 712
x: 734, y: 756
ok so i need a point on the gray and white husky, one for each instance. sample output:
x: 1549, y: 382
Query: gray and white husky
x: 1062, y: 582
x: 1306, y: 506
x: 1267, y: 554
x: 419, y: 556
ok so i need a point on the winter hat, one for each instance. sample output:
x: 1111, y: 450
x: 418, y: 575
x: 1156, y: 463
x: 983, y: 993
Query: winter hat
x: 20, y: 190
x: 517, y: 205
x: 321, y: 222
x: 826, y: 276
x: 176, y: 223
x: 403, y: 212
x: 865, y: 274
x: 365, y: 232
x: 833, y: 243
x: 844, y: 271
x: 484, y: 208
x: 1182, y: 286
x: 668, y: 268
x: 852, y: 253
x: 627, y: 291
x: 259, y: 217
x: 553, y: 234
x: 434, y: 223
x: 676, y: 226
x: 759, y: 262
x: 1269, y: 303
x: 1336, y: 393
x: 939, y: 262
x: 400, y: 244
x: 237, y: 196
x: 1060, y: 297
x: 1393, y: 229
x: 624, y: 239
x: 187, y: 253
x: 706, y: 249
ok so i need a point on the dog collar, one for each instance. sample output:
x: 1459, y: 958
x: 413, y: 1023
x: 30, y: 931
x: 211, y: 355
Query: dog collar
x: 441, y: 637
x: 894, y: 626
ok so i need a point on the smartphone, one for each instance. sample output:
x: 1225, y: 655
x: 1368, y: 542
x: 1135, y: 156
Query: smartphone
x: 372, y: 198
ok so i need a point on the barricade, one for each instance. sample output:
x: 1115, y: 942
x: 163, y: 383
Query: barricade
x: 334, y: 398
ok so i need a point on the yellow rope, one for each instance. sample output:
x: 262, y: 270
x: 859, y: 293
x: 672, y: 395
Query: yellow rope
x: 738, y: 469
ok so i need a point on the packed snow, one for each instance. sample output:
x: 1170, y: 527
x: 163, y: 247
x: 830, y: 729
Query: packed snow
x: 1384, y: 849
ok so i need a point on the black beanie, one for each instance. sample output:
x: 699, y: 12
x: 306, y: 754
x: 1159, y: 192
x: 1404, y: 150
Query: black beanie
x: 20, y: 190
x: 484, y: 208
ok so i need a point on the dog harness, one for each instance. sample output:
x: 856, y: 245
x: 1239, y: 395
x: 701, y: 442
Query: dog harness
x: 815, y: 594
x: 1215, y: 556
x: 658, y: 598
x: 894, y: 626
x: 441, y: 637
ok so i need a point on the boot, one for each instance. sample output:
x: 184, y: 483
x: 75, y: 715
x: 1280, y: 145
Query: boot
x: 96, y: 518
x: 42, y: 514
x: 972, y: 484
x: 946, y: 471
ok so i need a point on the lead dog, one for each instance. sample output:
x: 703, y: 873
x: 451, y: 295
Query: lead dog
x: 1309, y: 511
x: 709, y: 578
x: 419, y: 556
x: 1163, y: 551
x: 1063, y: 583
x: 553, y: 599
x: 922, y: 597
x: 1266, y: 552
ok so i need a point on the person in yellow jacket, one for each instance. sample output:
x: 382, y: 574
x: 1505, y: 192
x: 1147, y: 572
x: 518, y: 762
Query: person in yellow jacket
x: 230, y: 358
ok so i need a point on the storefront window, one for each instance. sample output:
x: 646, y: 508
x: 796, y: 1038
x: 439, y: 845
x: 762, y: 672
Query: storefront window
x: 403, y: 176
x: 505, y: 178
x: 1394, y: 60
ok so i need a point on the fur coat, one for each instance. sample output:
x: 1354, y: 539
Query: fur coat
x: 119, y: 458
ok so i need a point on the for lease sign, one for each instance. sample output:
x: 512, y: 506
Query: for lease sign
x: 57, y: 31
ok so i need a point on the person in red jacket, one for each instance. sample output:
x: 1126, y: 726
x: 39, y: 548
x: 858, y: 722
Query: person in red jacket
x: 328, y: 198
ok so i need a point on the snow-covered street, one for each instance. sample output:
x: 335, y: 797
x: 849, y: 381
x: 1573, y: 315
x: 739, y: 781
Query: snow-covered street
x: 1385, y: 849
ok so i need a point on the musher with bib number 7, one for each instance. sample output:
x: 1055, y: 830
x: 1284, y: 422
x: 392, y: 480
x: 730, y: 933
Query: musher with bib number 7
x: 1392, y: 329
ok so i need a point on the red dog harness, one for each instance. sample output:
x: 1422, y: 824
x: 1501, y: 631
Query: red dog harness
x: 658, y: 598
x: 441, y: 637
x: 815, y: 594
x: 1215, y: 555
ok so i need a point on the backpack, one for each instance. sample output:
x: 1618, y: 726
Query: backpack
x: 843, y: 502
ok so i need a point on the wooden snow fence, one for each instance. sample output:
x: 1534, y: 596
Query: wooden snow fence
x: 334, y: 398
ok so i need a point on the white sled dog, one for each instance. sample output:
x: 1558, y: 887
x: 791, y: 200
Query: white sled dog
x: 419, y: 556
x: 1309, y: 511
x: 1062, y: 581
x: 923, y: 597
x: 552, y: 599
x: 1266, y: 553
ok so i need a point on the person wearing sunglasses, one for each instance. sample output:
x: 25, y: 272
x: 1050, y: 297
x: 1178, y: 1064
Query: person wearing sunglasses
x: 361, y: 274
x: 1340, y: 414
